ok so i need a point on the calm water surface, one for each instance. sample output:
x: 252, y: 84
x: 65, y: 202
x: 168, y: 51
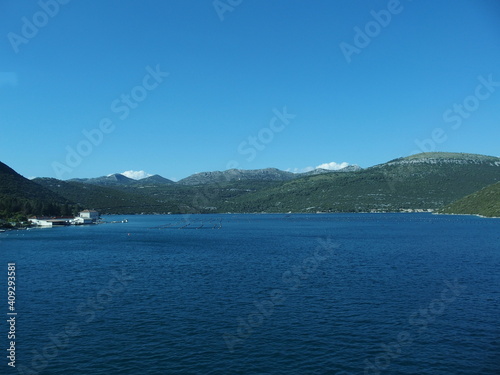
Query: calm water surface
x: 257, y: 294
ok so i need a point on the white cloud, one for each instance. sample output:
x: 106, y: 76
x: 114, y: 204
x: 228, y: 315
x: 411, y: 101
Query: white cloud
x: 136, y: 175
x: 333, y: 166
x: 330, y: 166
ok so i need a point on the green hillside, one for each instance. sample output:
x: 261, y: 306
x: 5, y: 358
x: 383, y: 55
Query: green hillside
x: 423, y: 181
x: 485, y: 202
x: 20, y: 197
x: 427, y: 181
x: 419, y: 182
x: 151, y: 198
x: 114, y: 200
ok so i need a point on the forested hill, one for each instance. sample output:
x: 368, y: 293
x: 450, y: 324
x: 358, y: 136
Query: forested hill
x: 485, y: 202
x: 420, y: 182
x: 20, y: 196
x: 428, y: 181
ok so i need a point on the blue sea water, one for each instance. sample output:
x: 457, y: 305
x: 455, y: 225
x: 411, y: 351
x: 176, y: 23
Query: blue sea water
x: 256, y: 294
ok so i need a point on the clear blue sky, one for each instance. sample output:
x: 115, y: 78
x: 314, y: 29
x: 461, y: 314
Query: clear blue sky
x: 226, y: 78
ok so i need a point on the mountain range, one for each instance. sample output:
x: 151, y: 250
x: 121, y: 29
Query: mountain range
x: 267, y: 174
x: 427, y: 181
x: 119, y: 179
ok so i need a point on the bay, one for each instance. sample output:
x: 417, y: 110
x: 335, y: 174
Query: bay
x: 258, y: 294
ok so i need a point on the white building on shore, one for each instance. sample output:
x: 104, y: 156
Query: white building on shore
x: 84, y: 217
x: 89, y: 214
x: 50, y: 221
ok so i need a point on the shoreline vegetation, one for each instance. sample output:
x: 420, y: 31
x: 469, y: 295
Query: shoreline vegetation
x: 438, y: 182
x: 485, y: 203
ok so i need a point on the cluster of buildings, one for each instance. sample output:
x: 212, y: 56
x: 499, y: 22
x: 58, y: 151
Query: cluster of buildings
x: 84, y: 217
